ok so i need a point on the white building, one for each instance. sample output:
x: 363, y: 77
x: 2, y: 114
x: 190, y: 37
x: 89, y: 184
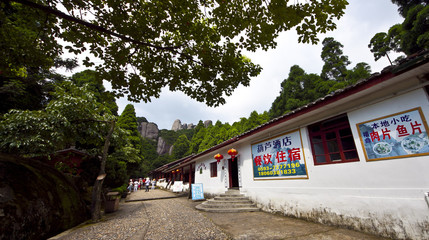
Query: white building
x: 357, y: 158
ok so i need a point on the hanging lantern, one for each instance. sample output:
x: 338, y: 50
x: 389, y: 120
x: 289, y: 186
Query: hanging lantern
x: 233, y: 153
x: 218, y: 157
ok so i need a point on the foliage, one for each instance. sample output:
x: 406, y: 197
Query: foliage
x: 380, y: 45
x: 141, y: 120
x: 71, y: 117
x: 301, y: 88
x: 361, y: 71
x: 95, y: 85
x: 128, y: 121
x: 405, y: 5
x: 200, y: 132
x: 116, y: 172
x: 335, y: 67
x: 28, y: 39
x: 180, y: 147
x: 190, y: 46
x: 162, y: 160
x: 149, y: 149
x: 171, y: 136
x: 131, y: 151
x: 27, y: 54
x: 409, y: 37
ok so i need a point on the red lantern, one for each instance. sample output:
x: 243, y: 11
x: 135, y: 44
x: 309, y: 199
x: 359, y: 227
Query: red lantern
x: 218, y: 157
x: 233, y: 153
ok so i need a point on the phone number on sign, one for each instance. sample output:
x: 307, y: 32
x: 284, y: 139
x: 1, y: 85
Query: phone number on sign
x: 283, y: 169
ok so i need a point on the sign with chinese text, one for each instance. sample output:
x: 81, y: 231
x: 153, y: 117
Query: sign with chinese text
x: 398, y: 135
x: 281, y: 157
x: 197, y: 191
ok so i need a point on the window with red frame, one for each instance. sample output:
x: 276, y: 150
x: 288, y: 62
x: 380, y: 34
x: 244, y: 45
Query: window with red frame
x: 213, y: 169
x: 332, y: 141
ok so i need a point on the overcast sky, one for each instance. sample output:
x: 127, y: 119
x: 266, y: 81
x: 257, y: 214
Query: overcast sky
x: 362, y: 19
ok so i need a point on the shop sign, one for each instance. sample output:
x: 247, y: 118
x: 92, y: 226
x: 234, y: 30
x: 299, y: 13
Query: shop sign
x: 399, y: 135
x: 197, y: 191
x: 280, y: 157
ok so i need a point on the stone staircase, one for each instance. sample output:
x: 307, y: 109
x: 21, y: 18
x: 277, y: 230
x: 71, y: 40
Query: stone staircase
x: 229, y: 202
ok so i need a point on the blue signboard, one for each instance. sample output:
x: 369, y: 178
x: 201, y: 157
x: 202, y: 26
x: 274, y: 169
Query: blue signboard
x: 398, y: 135
x: 281, y: 157
x: 197, y: 191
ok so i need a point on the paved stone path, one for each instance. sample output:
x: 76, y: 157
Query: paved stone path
x: 177, y: 218
x: 173, y: 218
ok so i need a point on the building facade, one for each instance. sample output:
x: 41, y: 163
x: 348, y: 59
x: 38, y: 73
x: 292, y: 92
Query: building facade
x: 358, y: 157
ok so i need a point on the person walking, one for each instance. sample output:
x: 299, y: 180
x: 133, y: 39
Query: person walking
x: 140, y: 183
x: 153, y: 183
x: 136, y: 185
x: 147, y: 183
x: 130, y: 186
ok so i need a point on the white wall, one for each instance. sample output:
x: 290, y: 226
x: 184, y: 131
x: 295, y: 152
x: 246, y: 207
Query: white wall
x: 383, y: 197
x: 211, y: 185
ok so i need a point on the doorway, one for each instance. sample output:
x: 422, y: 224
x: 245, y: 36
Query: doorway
x: 233, y: 173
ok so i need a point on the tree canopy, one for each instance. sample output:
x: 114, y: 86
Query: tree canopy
x: 301, y: 88
x: 190, y: 46
x: 72, y: 118
x: 335, y: 67
x: 409, y: 37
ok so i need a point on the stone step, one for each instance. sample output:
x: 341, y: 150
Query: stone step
x: 231, y: 205
x: 212, y: 201
x: 230, y: 198
x: 230, y: 201
x: 231, y: 195
x: 232, y: 191
x: 227, y: 210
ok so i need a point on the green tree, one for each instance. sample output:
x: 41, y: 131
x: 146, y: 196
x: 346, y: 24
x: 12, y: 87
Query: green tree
x: 162, y: 160
x: 131, y: 151
x: 149, y: 155
x: 128, y: 121
x: 301, y: 88
x: 210, y: 139
x: 405, y: 5
x: 297, y: 90
x: 380, y: 45
x: 180, y: 147
x: 73, y: 116
x: 197, y: 139
x: 95, y: 85
x: 27, y: 56
x: 190, y: 46
x: 409, y: 37
x: 415, y: 30
x: 361, y: 71
x: 335, y: 67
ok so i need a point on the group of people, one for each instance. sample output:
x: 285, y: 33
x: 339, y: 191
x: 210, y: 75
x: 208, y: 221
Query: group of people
x: 135, y: 185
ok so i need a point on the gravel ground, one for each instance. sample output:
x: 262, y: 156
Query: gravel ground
x: 155, y: 218
x: 150, y: 219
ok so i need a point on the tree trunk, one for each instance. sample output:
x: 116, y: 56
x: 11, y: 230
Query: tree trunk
x: 96, y: 191
x: 389, y: 59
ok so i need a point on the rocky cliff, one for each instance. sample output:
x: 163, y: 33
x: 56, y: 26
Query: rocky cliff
x: 163, y: 147
x: 177, y: 125
x: 150, y: 130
